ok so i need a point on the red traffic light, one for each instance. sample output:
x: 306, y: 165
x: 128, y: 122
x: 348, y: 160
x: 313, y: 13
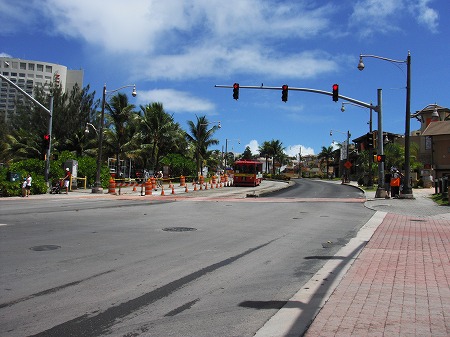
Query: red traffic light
x: 46, y: 141
x: 335, y: 92
x: 284, y: 93
x: 236, y: 91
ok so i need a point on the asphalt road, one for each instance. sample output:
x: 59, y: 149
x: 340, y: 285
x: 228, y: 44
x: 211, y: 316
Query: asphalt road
x: 184, y: 268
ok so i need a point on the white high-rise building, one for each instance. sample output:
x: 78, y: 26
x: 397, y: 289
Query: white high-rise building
x: 27, y: 74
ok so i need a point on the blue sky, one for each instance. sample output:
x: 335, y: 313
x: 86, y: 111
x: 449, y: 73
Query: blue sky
x: 175, y: 51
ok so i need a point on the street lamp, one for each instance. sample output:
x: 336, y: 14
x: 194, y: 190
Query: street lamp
x: 98, y: 184
x: 213, y: 122
x: 86, y: 130
x: 226, y: 149
x: 407, y: 190
x: 346, y: 149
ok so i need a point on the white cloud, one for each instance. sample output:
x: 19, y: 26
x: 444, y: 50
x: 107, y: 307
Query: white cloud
x: 254, y: 146
x: 371, y: 16
x: 291, y: 151
x: 426, y: 16
x: 294, y: 150
x: 5, y: 55
x: 207, y: 60
x: 175, y: 39
x: 175, y: 101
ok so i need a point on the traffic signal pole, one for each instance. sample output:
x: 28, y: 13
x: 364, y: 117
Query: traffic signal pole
x: 380, y: 193
x: 49, y: 111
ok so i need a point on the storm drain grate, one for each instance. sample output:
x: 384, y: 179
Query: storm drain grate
x: 44, y: 248
x: 179, y: 229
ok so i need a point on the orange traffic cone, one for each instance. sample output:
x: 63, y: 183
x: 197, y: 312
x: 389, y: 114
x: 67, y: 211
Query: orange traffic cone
x: 173, y: 190
x: 195, y: 187
x: 162, y: 190
x: 134, y: 188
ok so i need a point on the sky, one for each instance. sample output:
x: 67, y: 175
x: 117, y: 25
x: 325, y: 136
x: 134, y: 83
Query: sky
x: 176, y: 51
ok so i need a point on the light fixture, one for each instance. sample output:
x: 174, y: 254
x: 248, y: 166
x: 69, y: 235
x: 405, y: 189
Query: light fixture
x: 361, y: 63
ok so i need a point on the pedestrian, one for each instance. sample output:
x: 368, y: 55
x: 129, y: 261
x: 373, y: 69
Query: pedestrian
x: 24, y: 187
x: 387, y: 184
x: 67, y: 180
x: 28, y: 185
x: 395, y: 183
x: 159, y: 178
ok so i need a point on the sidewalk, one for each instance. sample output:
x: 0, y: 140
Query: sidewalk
x: 176, y: 192
x: 399, y: 285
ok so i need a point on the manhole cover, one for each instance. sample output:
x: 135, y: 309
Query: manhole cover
x: 45, y: 248
x: 179, y: 229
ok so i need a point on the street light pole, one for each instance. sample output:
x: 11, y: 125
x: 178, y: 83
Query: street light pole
x: 407, y: 190
x: 98, y: 183
x: 381, y: 192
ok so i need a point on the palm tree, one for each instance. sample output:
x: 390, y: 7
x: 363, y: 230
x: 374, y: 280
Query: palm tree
x: 118, y: 115
x: 201, y: 138
x: 158, y: 135
x: 265, y: 151
x: 277, y: 151
x: 326, y: 155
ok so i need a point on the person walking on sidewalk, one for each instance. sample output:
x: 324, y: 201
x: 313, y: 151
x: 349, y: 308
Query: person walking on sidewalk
x: 24, y: 187
x: 28, y: 185
x: 395, y: 183
x: 67, y: 180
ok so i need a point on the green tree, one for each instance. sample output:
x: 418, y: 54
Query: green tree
x: 200, y: 138
x: 247, y: 155
x: 158, y: 135
x: 265, y: 151
x: 326, y: 155
x: 277, y: 152
x: 117, y: 135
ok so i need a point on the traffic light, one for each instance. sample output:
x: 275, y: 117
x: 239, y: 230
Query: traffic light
x: 379, y: 158
x: 236, y: 91
x: 284, y: 93
x: 335, y: 92
x: 370, y: 140
x: 46, y: 141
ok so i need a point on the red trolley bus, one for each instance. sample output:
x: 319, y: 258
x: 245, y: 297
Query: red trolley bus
x: 247, y: 173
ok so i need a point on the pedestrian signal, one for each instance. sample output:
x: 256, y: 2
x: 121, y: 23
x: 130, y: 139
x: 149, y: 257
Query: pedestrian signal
x: 380, y: 158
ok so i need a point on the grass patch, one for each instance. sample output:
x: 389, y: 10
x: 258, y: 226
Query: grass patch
x: 438, y: 199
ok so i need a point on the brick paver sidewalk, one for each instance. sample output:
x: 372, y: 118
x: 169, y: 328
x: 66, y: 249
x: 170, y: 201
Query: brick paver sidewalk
x: 398, y: 286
